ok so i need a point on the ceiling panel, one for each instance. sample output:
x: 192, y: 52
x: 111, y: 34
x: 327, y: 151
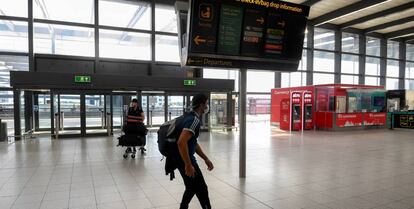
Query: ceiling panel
x: 385, y: 19
x: 326, y: 6
x: 395, y: 28
x: 296, y: 1
x: 371, y: 10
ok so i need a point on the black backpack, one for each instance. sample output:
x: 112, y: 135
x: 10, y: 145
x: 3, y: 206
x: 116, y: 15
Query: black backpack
x: 168, y: 135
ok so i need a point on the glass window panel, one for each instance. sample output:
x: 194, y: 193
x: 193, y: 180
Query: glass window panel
x: 372, y: 81
x: 64, y: 40
x: 350, y: 64
x: 65, y: 10
x: 409, y: 84
x: 303, y: 61
x: 305, y: 40
x: 349, y: 79
x: 393, y: 49
x: 7, y: 110
x: 11, y: 63
x: 350, y: 42
x: 285, y: 80
x: 293, y: 79
x: 410, y: 52
x: 297, y: 79
x: 373, y: 46
x: 323, y: 78
x: 258, y: 108
x: 258, y: 81
x: 392, y: 68
x: 324, y: 39
x: 323, y: 61
x: 17, y: 8
x: 392, y: 84
x: 135, y: 14
x: 13, y: 36
x: 222, y: 74
x: 409, y: 70
x: 165, y: 19
x: 166, y: 48
x: 124, y: 45
x: 372, y: 66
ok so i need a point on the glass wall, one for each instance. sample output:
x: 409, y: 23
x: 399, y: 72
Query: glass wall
x: 13, y: 36
x: 135, y: 14
x: 64, y: 40
x: 124, y: 45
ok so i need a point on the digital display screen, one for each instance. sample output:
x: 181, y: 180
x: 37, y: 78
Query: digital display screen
x: 379, y: 101
x: 235, y: 33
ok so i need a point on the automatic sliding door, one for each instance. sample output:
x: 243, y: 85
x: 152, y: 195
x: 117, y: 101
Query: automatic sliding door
x: 70, y: 113
x: 44, y: 108
x: 175, y: 106
x: 156, y: 110
x: 95, y: 114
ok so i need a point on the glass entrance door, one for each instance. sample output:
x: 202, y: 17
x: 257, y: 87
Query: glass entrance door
x: 154, y: 109
x: 175, y: 106
x: 42, y: 111
x: 95, y: 114
x: 69, y: 111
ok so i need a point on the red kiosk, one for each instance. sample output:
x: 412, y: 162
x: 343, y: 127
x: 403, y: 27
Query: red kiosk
x: 331, y: 107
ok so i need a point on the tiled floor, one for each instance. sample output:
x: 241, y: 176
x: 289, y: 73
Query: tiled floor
x: 316, y: 170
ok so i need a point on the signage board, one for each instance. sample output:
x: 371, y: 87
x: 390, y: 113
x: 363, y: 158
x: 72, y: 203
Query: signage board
x: 265, y: 34
x: 190, y: 82
x: 83, y: 79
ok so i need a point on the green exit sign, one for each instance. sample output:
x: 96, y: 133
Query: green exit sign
x: 83, y: 79
x: 190, y: 82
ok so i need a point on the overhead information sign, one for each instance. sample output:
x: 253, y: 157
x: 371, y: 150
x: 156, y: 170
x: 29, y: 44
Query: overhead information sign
x: 259, y: 34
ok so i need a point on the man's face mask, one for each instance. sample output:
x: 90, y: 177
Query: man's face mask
x: 206, y: 108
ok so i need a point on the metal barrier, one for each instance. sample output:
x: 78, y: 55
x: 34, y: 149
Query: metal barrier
x: 57, y: 125
x: 62, y: 117
x: 108, y: 123
x: 103, y: 119
x: 150, y: 118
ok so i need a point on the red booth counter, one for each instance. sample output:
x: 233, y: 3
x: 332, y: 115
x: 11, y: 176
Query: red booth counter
x: 323, y: 107
x: 332, y: 105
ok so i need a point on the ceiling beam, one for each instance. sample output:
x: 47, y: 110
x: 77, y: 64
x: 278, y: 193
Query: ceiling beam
x: 390, y: 24
x: 383, y: 13
x: 345, y: 11
x: 409, y: 38
x: 310, y: 2
x: 400, y: 33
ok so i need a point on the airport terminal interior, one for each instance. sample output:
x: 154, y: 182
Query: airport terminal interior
x: 318, y: 113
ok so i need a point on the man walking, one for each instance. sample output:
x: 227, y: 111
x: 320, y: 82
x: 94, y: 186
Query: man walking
x: 188, y: 146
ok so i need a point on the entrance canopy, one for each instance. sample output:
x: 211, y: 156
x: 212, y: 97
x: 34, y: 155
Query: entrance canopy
x: 70, y: 81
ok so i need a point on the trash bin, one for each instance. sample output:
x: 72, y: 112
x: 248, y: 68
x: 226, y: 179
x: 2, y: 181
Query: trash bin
x: 3, y: 131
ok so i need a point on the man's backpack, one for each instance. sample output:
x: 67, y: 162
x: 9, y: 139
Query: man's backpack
x: 168, y: 135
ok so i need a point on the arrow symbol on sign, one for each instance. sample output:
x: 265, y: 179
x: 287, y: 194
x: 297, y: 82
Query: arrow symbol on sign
x: 282, y: 23
x: 198, y: 40
x: 261, y: 20
x: 190, y: 61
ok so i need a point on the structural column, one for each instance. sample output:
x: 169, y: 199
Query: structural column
x: 242, y: 121
x: 402, y: 65
x: 16, y: 102
x: 96, y: 30
x: 383, y: 61
x: 229, y: 112
x: 309, y: 55
x: 362, y: 59
x: 338, y: 56
x: 278, y: 80
x: 30, y: 35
